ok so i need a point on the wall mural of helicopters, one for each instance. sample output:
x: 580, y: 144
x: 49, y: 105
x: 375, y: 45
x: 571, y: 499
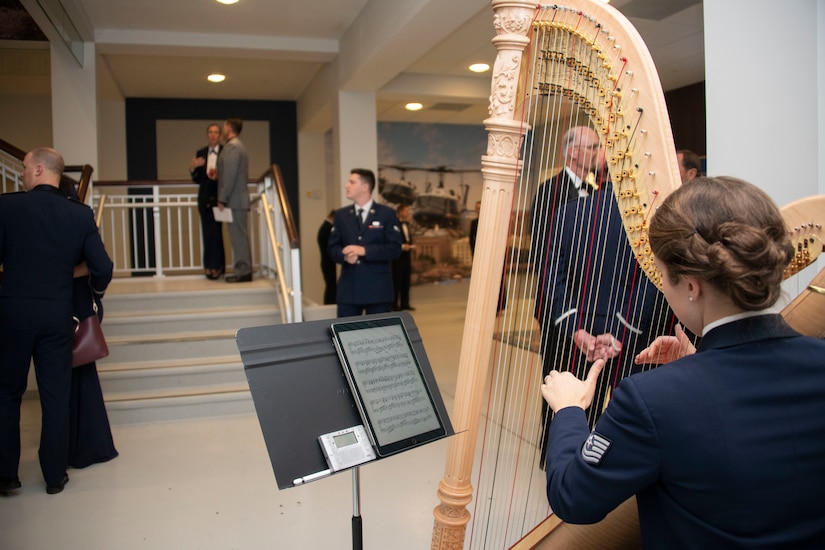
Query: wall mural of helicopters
x: 436, y: 205
x: 396, y: 192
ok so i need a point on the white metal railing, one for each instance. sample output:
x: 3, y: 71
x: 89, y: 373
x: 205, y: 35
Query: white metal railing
x: 11, y: 173
x: 153, y: 229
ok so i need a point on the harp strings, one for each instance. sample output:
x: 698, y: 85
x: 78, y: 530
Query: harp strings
x: 569, y: 73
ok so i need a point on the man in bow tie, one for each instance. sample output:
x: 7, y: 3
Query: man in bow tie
x: 581, y: 150
x: 203, y: 170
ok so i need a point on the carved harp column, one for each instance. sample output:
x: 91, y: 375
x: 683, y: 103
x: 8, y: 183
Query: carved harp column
x: 500, y: 167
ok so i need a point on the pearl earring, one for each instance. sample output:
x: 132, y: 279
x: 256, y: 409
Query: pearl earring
x: 690, y: 298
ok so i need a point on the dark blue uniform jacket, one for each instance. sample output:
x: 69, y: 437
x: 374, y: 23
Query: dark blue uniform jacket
x: 370, y: 280
x: 724, y: 448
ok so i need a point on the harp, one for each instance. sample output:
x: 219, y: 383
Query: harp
x: 579, y: 63
x: 805, y: 219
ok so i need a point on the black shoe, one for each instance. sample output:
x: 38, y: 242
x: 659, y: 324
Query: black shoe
x: 239, y: 278
x: 9, y: 484
x: 54, y: 489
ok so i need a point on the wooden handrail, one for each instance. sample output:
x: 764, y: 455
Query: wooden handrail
x: 7, y: 147
x: 286, y: 211
x: 84, y: 182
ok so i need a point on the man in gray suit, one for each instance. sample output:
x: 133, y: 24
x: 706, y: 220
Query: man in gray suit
x: 233, y: 176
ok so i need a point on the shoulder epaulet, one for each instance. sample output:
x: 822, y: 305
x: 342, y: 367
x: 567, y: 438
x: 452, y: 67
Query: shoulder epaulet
x: 77, y: 201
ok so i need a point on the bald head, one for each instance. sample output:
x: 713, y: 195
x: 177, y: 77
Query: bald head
x: 42, y: 165
x: 581, y: 149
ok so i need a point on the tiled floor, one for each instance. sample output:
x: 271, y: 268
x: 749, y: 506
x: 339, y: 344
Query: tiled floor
x: 208, y: 484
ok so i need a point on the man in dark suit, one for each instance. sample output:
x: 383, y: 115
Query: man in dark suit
x: 581, y: 150
x: 43, y: 236
x: 204, y: 172
x: 233, y: 177
x: 365, y: 239
x: 402, y: 266
x: 599, y: 303
x: 328, y: 268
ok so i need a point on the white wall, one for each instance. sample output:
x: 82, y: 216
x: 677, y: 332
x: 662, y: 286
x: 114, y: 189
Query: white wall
x: 763, y: 95
x: 74, y: 104
x: 111, y: 127
x: 313, y: 202
x: 26, y: 120
x: 765, y: 87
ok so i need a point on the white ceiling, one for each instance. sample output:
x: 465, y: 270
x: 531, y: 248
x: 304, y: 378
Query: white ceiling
x: 273, y: 49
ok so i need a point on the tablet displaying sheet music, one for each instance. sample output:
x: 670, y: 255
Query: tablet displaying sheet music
x: 386, y: 380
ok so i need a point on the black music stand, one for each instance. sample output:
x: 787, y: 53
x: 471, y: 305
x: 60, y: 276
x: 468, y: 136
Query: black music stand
x: 300, y: 392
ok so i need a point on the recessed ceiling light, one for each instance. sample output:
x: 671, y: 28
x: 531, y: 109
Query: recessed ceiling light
x: 413, y: 106
x: 479, y: 67
x: 216, y: 77
x: 227, y: 2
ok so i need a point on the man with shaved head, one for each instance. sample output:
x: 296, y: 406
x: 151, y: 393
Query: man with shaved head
x: 43, y: 236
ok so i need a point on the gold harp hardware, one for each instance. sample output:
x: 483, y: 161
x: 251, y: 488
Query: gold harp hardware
x: 804, y: 220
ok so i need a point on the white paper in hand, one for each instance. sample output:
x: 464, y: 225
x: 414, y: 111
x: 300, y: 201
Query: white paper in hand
x: 224, y: 215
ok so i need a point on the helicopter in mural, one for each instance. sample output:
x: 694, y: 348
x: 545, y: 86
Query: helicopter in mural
x: 396, y: 192
x: 440, y: 206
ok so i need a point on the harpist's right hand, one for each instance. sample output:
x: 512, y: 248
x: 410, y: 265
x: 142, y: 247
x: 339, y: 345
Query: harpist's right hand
x: 665, y: 349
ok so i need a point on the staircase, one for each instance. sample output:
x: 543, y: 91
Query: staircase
x: 172, y: 351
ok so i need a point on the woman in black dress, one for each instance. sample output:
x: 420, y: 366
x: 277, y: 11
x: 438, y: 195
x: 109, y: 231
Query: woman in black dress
x: 90, y: 436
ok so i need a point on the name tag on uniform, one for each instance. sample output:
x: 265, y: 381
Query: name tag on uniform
x: 376, y: 224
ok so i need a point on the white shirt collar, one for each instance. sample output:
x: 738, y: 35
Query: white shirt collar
x: 367, y: 206
x: 577, y: 181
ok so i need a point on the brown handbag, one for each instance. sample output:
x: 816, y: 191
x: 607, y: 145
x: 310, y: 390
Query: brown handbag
x: 89, y: 344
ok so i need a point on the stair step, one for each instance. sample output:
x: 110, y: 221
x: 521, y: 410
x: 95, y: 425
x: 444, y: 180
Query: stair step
x: 164, y: 407
x: 163, y: 321
x: 205, y: 300
x: 166, y: 374
x: 148, y: 347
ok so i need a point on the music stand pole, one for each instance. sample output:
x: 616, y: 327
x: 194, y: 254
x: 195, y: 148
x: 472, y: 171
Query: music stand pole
x: 357, y: 541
